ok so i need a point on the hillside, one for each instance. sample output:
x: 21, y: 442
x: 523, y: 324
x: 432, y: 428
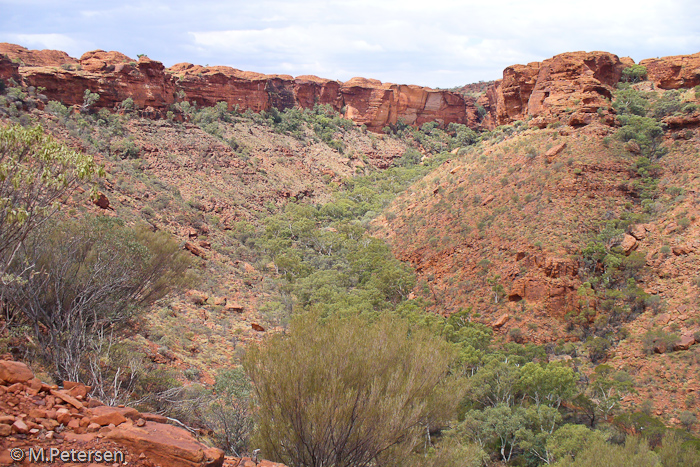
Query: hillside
x: 549, y: 218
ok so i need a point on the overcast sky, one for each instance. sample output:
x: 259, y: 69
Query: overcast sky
x: 437, y: 43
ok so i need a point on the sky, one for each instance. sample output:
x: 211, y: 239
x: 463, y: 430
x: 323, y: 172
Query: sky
x: 436, y: 43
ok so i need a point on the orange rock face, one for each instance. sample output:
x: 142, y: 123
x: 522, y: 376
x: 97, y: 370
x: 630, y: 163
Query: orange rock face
x: 679, y: 71
x: 9, y: 69
x: 166, y: 445
x: 570, y: 87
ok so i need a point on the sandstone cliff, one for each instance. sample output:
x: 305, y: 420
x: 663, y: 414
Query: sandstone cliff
x: 117, y: 77
x: 569, y: 87
x: 574, y: 88
x: 679, y: 71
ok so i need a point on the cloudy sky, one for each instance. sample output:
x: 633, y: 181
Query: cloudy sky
x: 438, y: 43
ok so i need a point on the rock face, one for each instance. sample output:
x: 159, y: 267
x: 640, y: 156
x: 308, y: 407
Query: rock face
x: 9, y: 69
x: 674, y: 72
x: 569, y: 87
x: 116, y: 77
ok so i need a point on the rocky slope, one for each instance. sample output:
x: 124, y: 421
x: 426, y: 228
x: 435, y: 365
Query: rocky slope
x: 35, y: 414
x: 502, y: 231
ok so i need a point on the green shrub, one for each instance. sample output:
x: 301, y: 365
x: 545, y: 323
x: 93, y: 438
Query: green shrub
x: 82, y: 279
x: 345, y: 392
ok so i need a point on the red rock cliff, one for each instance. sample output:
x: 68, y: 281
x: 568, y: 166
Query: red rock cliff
x: 115, y: 77
x: 574, y: 88
x: 570, y: 87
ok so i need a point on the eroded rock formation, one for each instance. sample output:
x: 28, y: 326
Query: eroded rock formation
x: 574, y: 88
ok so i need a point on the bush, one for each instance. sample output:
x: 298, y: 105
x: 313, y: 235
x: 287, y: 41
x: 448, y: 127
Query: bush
x: 79, y: 280
x: 346, y: 392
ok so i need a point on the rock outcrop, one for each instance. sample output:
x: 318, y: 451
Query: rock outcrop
x: 9, y: 69
x: 674, y: 72
x: 574, y: 88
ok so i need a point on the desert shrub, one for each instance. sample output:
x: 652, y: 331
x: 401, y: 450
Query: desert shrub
x: 631, y: 102
x: 669, y: 103
x: 79, y: 279
x: 602, y: 454
x: 229, y: 414
x: 676, y: 452
x: 658, y: 337
x: 127, y: 104
x: 125, y: 148
x: 347, y: 392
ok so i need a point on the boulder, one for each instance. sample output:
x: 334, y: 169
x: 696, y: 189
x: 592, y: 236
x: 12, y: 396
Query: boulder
x: 77, y: 390
x: 638, y: 231
x: 629, y: 244
x: 685, y: 342
x: 14, y: 372
x: 114, y: 413
x: 501, y: 321
x: 166, y: 445
x: 67, y: 398
x: 195, y: 250
x: 196, y: 297
x: 234, y: 306
x: 102, y: 201
x: 554, y: 151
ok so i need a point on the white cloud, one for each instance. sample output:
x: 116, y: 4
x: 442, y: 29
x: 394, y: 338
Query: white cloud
x: 439, y: 43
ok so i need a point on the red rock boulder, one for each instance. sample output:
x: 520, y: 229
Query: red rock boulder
x: 14, y: 372
x: 166, y: 445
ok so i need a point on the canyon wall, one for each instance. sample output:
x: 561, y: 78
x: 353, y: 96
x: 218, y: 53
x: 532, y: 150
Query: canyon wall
x: 116, y: 77
x: 574, y: 88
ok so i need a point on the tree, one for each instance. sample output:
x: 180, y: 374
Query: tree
x: 646, y: 131
x: 36, y: 172
x: 346, y: 392
x: 78, y: 280
x: 89, y: 99
x: 499, y: 425
x: 634, y: 74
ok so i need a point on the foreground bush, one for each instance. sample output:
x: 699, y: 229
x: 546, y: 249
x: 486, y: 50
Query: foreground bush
x: 80, y: 281
x: 346, y: 392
